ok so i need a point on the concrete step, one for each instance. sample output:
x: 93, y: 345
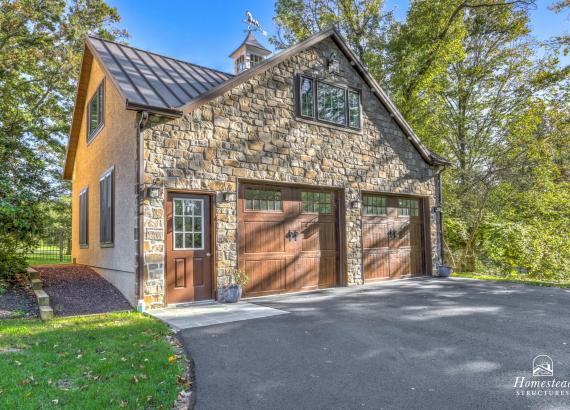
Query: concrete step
x: 36, y: 284
x: 33, y: 274
x: 46, y: 313
x: 42, y: 296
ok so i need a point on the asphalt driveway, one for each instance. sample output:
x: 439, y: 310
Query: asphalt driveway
x: 410, y: 344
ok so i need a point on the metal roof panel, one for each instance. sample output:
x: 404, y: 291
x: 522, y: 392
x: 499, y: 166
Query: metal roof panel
x: 152, y: 79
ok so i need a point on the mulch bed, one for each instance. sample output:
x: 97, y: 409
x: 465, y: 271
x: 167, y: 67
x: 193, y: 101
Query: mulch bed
x: 79, y: 290
x: 18, y: 300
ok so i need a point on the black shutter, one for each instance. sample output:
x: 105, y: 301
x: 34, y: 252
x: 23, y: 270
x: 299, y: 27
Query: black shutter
x: 106, y: 209
x: 102, y: 210
x: 83, y: 218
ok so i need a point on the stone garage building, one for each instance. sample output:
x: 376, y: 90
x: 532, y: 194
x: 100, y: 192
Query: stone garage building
x: 297, y: 168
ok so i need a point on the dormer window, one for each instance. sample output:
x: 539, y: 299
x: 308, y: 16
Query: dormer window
x: 95, y: 110
x: 331, y: 103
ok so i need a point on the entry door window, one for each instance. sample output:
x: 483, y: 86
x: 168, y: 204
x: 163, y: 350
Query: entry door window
x: 188, y: 223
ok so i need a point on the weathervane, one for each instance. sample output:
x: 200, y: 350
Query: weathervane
x: 253, y: 24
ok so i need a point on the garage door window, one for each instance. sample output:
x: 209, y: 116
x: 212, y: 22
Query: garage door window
x: 188, y: 223
x: 317, y: 202
x: 263, y: 200
x: 408, y: 207
x: 374, y: 205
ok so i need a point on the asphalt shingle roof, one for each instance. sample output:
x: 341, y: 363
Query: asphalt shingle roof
x: 155, y: 80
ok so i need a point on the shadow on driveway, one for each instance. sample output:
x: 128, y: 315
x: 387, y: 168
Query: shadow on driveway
x: 409, y: 344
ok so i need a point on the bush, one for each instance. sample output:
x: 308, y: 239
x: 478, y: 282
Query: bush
x: 12, y: 260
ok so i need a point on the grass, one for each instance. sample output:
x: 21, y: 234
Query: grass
x: 514, y: 279
x: 117, y: 360
x: 42, y: 260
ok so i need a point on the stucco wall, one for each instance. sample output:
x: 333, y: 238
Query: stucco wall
x: 252, y: 132
x: 114, y: 145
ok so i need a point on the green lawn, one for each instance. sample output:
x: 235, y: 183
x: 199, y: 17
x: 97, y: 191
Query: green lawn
x: 118, y: 360
x: 42, y: 260
x: 513, y: 278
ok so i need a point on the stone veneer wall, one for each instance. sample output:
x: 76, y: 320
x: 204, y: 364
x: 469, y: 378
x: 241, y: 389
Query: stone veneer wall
x: 252, y: 132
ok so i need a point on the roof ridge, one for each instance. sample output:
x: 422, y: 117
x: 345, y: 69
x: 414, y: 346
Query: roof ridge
x: 160, y: 55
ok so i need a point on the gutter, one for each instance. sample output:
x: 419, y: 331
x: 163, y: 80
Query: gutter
x: 164, y: 112
x: 140, y: 213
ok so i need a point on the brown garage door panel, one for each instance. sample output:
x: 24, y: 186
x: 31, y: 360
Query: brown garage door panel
x: 263, y: 237
x: 392, y: 237
x: 266, y: 276
x: 318, y: 236
x: 376, y: 265
x: 287, y: 244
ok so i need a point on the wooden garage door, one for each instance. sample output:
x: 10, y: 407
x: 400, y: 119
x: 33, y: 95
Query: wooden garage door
x: 287, y: 238
x: 392, y: 232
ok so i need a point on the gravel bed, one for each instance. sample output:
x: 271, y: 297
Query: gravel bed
x: 79, y: 290
x: 17, y: 300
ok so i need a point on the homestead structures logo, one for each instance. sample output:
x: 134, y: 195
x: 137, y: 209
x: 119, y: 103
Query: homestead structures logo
x: 542, y: 366
x: 542, y: 383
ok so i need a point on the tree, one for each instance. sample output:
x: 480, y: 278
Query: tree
x: 41, y: 42
x: 468, y: 77
x: 362, y: 22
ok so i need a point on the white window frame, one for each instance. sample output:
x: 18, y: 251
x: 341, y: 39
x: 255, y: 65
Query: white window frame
x: 202, y: 216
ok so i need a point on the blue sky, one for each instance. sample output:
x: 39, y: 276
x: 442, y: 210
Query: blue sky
x: 205, y: 32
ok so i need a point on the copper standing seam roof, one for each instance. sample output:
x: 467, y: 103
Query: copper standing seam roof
x: 153, y: 80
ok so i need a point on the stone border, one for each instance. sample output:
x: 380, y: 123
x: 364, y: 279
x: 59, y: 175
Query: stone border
x: 46, y: 311
x: 185, y: 399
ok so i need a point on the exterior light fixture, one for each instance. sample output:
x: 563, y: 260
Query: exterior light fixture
x: 333, y: 63
x: 229, y: 196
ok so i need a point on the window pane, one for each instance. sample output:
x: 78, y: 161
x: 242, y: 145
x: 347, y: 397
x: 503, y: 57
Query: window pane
x: 95, y: 111
x: 408, y: 207
x: 331, y: 103
x: 178, y: 209
x: 197, y: 224
x: 307, y: 103
x: 197, y: 240
x: 188, y: 240
x: 179, y: 224
x: 353, y: 109
x: 179, y: 240
x: 374, y: 205
x: 263, y: 199
x: 93, y: 116
x: 320, y: 202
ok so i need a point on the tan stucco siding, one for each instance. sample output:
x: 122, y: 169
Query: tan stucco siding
x: 114, y: 146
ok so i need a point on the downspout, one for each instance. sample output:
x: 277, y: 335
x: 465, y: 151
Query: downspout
x: 439, y: 214
x: 140, y: 211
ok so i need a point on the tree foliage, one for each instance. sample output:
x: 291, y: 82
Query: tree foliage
x: 41, y: 42
x: 477, y: 88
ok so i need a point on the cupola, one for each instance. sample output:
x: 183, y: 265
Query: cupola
x: 249, y: 54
